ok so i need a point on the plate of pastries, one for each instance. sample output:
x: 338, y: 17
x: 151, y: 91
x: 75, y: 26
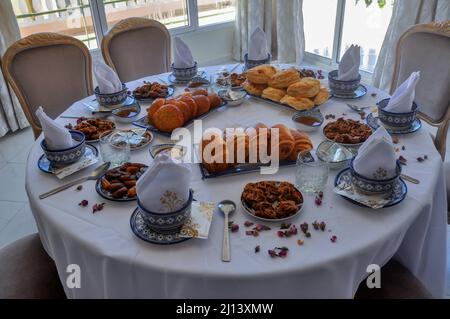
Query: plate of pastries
x: 347, y: 132
x: 92, y: 128
x: 272, y: 201
x: 153, y: 90
x: 166, y: 115
x: 119, y: 184
x: 227, y: 161
x: 286, y: 87
x: 237, y: 79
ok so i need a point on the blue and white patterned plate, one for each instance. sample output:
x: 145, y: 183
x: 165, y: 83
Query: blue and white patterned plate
x: 171, y: 78
x: 140, y: 229
x: 374, y: 123
x: 45, y: 166
x: 398, y: 194
x: 360, y: 92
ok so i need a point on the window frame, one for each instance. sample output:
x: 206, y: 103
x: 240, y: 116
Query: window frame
x: 333, y: 62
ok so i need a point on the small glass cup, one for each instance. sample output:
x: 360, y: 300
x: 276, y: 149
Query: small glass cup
x: 311, y: 174
x: 115, y: 147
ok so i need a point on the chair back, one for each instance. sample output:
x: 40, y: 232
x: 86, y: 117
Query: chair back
x: 426, y: 48
x: 49, y: 70
x: 137, y: 47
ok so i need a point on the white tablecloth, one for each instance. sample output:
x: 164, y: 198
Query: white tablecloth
x: 115, y: 263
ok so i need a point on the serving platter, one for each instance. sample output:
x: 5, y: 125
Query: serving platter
x: 281, y: 104
x: 113, y: 127
x: 143, y: 121
x: 170, y: 92
x: 374, y: 124
x: 141, y: 230
x: 250, y: 212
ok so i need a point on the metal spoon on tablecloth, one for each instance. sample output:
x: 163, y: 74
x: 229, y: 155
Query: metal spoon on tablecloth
x: 227, y: 207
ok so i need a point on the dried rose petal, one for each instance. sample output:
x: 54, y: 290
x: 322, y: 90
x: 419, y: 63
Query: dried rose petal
x: 316, y: 225
x: 248, y: 223
x: 83, y: 203
x: 395, y: 140
x: 304, y: 227
x: 333, y: 238
x: 420, y: 159
x: 318, y: 201
x: 308, y: 234
x: 234, y: 228
x: 373, y: 95
x: 280, y: 234
x: 322, y: 226
x: 272, y: 253
x: 79, y: 187
x: 293, y: 230
x: 97, y: 207
x: 285, y: 225
x: 257, y: 249
x: 300, y: 242
x: 282, y: 253
x: 320, y: 194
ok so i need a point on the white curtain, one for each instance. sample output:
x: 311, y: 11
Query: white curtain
x: 406, y: 14
x: 282, y: 20
x: 11, y: 114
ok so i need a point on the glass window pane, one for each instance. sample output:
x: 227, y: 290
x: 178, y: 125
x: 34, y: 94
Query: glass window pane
x: 172, y: 13
x: 69, y: 17
x: 365, y: 26
x: 216, y: 11
x: 319, y: 21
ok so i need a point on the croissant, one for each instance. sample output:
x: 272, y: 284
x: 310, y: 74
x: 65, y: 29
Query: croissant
x: 302, y: 143
x: 237, y: 144
x: 214, y: 153
x: 258, y: 141
x: 286, y: 142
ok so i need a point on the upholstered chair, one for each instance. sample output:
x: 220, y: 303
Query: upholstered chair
x: 49, y: 70
x: 27, y: 272
x: 426, y: 48
x: 137, y: 47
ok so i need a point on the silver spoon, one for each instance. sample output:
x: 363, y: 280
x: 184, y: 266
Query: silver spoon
x: 227, y: 207
x: 94, y: 176
x: 357, y: 108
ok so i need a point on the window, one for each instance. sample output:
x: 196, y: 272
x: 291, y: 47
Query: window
x: 331, y: 26
x: 88, y: 20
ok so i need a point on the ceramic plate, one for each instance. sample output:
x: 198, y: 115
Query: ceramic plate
x: 170, y: 92
x: 140, y: 229
x: 96, y: 140
x: 171, y: 78
x: 397, y: 196
x: 107, y: 195
x: 136, y: 143
x: 45, y: 166
x: 179, y: 151
x: 373, y: 122
x: 95, y: 107
x: 360, y: 92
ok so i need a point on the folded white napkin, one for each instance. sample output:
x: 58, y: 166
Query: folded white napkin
x: 376, y: 158
x: 349, y: 65
x: 164, y: 187
x: 56, y: 135
x: 182, y: 55
x: 403, y: 97
x: 257, y: 49
x: 107, y: 79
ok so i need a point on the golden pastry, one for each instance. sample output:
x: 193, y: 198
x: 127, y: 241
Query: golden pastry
x: 258, y: 142
x: 322, y: 96
x: 302, y: 143
x: 261, y: 74
x: 184, y: 108
x: 191, y: 103
x: 273, y: 94
x: 214, y: 153
x: 200, y: 92
x: 283, y: 79
x: 203, y: 104
x: 307, y: 87
x: 298, y: 103
x: 254, y: 89
x: 286, y: 142
x: 214, y: 100
x: 237, y: 144
x: 156, y: 105
x: 168, y: 118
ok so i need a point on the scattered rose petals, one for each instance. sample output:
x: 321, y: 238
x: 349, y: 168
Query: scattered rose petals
x: 278, y: 252
x: 395, y: 140
x: 316, y: 225
x: 362, y: 115
x: 322, y: 226
x: 308, y: 234
x: 285, y: 225
x: 257, y: 249
x: 293, y: 230
x: 304, y: 227
x: 373, y: 95
x: 420, y: 159
x: 234, y: 228
x: 248, y: 223
x: 402, y: 160
x: 97, y: 207
x: 300, y: 242
x: 252, y: 233
x: 83, y: 203
x: 272, y: 253
x: 281, y: 234
x: 333, y: 238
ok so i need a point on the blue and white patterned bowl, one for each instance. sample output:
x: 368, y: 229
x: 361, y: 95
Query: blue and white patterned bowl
x: 249, y: 64
x: 184, y: 74
x: 396, y: 120
x: 60, y: 158
x: 112, y: 99
x: 374, y: 186
x: 342, y: 87
x: 167, y: 222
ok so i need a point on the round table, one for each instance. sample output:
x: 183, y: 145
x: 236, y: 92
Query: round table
x: 115, y: 263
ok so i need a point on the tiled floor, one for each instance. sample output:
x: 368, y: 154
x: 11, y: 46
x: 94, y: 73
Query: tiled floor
x: 16, y: 219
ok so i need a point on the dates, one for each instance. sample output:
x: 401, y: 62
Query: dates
x: 120, y: 182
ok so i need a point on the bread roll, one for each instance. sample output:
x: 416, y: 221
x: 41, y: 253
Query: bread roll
x: 154, y: 107
x: 237, y: 144
x: 298, y: 103
x: 261, y: 74
x: 273, y: 94
x: 202, y: 104
x: 214, y: 100
x: 322, y: 96
x: 168, y: 118
x: 258, y: 141
x: 191, y: 103
x: 307, y: 87
x: 214, y: 153
x: 200, y: 92
x: 184, y: 108
x: 254, y: 89
x: 302, y: 143
x: 283, y: 79
x: 285, y: 141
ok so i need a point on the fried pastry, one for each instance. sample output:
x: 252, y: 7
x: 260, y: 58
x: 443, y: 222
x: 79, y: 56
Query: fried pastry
x: 237, y: 144
x: 347, y: 131
x: 168, y: 118
x: 273, y: 94
x: 254, y: 89
x: 322, y: 96
x: 203, y: 104
x: 302, y: 143
x: 214, y: 153
x: 261, y: 74
x: 191, y: 103
x: 286, y: 141
x: 307, y: 87
x: 155, y: 106
x: 258, y: 142
x: 298, y: 103
x: 214, y: 100
x: 184, y: 108
x: 200, y: 92
x: 283, y: 79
